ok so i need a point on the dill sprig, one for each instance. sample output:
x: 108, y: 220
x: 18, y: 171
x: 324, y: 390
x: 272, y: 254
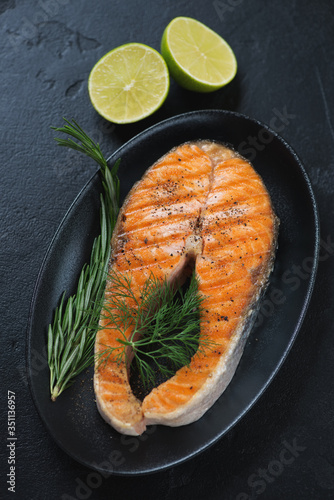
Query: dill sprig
x: 164, y: 321
x: 71, y: 335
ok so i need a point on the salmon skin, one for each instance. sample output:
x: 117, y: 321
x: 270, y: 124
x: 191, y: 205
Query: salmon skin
x: 200, y: 204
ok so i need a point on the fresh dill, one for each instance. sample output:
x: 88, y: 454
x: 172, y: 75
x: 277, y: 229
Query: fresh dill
x: 71, y: 335
x: 164, y: 322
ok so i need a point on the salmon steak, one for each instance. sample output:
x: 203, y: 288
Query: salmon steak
x: 201, y: 205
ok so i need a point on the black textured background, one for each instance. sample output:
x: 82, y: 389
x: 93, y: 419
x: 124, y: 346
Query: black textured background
x: 285, y: 52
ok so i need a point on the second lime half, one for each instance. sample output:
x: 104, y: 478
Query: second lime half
x: 197, y: 57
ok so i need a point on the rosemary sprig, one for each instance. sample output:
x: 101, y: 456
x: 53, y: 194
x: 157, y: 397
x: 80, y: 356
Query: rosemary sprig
x: 165, y: 325
x: 71, y: 335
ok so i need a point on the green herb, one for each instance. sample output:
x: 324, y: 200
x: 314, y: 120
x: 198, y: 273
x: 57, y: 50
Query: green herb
x: 165, y: 325
x: 71, y: 335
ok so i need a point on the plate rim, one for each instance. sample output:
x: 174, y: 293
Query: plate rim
x: 301, y: 317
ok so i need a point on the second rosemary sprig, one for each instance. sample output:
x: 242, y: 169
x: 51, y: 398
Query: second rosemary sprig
x: 71, y: 335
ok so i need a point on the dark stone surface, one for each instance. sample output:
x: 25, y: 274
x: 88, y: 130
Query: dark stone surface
x: 285, y: 52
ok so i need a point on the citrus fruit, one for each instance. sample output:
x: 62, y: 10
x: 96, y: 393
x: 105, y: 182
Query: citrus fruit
x: 197, y: 57
x: 128, y: 83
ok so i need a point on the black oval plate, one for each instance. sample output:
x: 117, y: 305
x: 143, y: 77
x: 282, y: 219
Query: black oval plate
x: 73, y: 419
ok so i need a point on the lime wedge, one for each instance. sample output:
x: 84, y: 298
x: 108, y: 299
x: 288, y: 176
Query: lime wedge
x: 129, y: 83
x: 197, y: 57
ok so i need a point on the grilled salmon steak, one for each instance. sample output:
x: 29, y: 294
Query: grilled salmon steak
x: 203, y: 205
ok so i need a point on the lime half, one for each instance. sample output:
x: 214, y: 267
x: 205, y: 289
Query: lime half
x: 197, y: 57
x: 129, y: 83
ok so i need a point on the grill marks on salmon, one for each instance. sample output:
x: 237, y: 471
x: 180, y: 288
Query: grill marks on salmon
x: 201, y: 204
